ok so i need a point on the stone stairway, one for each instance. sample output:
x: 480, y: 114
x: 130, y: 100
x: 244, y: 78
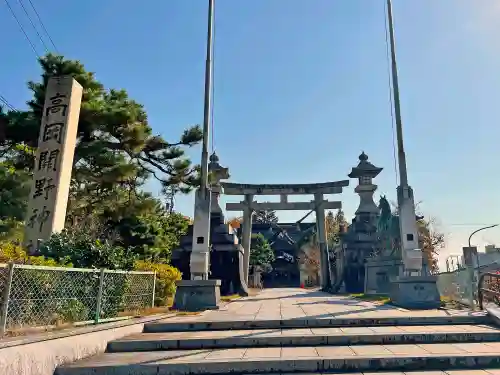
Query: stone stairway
x: 432, y: 345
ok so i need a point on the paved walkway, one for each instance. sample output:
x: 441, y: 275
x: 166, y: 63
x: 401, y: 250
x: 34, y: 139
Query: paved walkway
x: 294, y: 303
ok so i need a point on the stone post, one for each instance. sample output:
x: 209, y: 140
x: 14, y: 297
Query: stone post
x: 410, y: 251
x: 53, y: 161
x: 201, y: 232
x: 323, y: 245
x: 470, y: 257
x: 246, y: 236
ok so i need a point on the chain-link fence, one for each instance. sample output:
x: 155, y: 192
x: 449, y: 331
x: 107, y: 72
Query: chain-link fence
x: 456, y: 286
x: 461, y: 285
x: 35, y: 296
x: 4, y: 275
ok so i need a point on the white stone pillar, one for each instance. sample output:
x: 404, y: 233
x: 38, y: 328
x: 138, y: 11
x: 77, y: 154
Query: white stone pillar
x: 53, y: 161
x: 199, y: 262
x: 246, y: 236
x: 411, y: 253
x: 323, y: 245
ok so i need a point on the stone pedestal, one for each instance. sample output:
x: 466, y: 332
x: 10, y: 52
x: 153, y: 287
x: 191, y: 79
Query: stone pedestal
x: 197, y: 295
x: 415, y: 292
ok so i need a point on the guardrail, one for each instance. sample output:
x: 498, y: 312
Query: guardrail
x: 489, y: 289
x: 40, y: 297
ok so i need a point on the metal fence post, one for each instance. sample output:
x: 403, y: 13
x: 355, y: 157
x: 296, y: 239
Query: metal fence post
x: 99, y: 297
x: 154, y: 290
x: 6, y: 299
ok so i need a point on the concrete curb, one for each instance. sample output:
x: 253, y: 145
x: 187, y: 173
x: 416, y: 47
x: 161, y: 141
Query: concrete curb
x: 74, y: 331
x: 494, y: 312
x: 41, y: 354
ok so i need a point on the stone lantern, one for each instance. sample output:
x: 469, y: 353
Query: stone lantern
x: 365, y: 172
x: 360, y: 240
x: 217, y: 173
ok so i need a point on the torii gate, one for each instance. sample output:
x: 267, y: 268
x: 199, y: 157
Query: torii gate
x: 319, y: 204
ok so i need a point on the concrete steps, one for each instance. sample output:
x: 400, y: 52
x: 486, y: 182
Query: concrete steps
x: 197, y: 326
x: 306, y: 337
x: 344, y: 347
x: 342, y: 359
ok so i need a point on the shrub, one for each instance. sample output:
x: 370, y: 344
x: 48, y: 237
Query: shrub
x: 85, y: 252
x: 73, y: 310
x: 166, y: 276
x: 11, y: 252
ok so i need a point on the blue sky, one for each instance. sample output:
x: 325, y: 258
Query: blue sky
x: 301, y: 88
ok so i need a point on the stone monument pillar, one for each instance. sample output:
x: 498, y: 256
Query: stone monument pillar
x: 246, y: 235
x: 53, y: 161
x: 201, y: 233
x: 471, y: 264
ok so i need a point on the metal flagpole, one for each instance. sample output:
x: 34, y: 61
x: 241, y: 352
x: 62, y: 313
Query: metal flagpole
x: 208, y: 101
x: 203, y: 293
x: 200, y: 252
x: 403, y: 174
x: 412, y: 257
x: 414, y: 288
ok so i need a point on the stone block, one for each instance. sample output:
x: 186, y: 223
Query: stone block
x: 415, y: 292
x: 197, y: 295
x: 379, y: 272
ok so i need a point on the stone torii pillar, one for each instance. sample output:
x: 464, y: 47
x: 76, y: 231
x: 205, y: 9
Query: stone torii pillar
x: 246, y: 235
x: 325, y: 277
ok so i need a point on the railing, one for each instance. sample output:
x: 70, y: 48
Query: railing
x: 489, y: 289
x: 43, y: 297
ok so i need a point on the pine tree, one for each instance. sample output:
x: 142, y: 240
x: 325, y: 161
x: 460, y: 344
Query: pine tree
x: 116, y: 149
x: 261, y: 253
x: 333, y: 224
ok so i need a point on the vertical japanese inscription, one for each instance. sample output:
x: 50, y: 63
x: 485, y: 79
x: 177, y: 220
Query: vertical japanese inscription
x: 53, y: 161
